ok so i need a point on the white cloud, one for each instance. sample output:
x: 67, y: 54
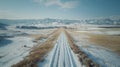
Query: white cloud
x: 68, y: 4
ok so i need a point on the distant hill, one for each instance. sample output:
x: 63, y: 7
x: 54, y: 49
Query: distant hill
x: 3, y: 26
x: 97, y: 21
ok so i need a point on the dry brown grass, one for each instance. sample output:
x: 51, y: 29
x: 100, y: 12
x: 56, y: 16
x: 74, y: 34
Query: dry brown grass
x: 37, y: 54
x: 38, y: 36
x: 109, y: 41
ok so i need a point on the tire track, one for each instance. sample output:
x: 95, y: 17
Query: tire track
x: 62, y: 55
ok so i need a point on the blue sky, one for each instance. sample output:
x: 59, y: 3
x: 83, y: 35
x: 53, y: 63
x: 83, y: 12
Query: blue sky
x: 61, y: 9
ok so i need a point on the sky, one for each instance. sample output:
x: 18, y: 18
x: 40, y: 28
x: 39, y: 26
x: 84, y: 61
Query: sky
x: 58, y: 9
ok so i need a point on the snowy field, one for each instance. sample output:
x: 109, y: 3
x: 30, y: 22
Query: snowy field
x: 103, y: 56
x: 15, y: 51
x: 13, y: 30
x: 61, y: 55
x: 96, y: 30
x: 17, y: 44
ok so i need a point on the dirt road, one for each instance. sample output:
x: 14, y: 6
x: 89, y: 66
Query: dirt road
x: 61, y: 55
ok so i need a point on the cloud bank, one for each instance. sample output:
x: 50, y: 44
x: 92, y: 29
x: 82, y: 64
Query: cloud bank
x: 59, y: 3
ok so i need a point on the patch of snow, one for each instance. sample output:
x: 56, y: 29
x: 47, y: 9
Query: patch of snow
x: 15, y: 51
x: 101, y: 55
x: 112, y: 32
x: 101, y: 32
x: 104, y: 57
x: 34, y: 31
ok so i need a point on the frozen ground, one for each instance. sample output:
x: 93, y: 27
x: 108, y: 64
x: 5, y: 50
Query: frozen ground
x: 15, y: 31
x: 61, y: 55
x: 18, y: 45
x: 103, y: 32
x: 106, y: 31
x: 15, y: 51
x: 35, y: 31
x: 101, y: 55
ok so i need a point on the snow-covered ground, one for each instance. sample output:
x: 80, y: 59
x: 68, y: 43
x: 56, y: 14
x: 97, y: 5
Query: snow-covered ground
x: 61, y: 55
x: 101, y: 55
x: 100, y: 31
x: 30, y: 31
x: 18, y: 45
x: 15, y: 51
